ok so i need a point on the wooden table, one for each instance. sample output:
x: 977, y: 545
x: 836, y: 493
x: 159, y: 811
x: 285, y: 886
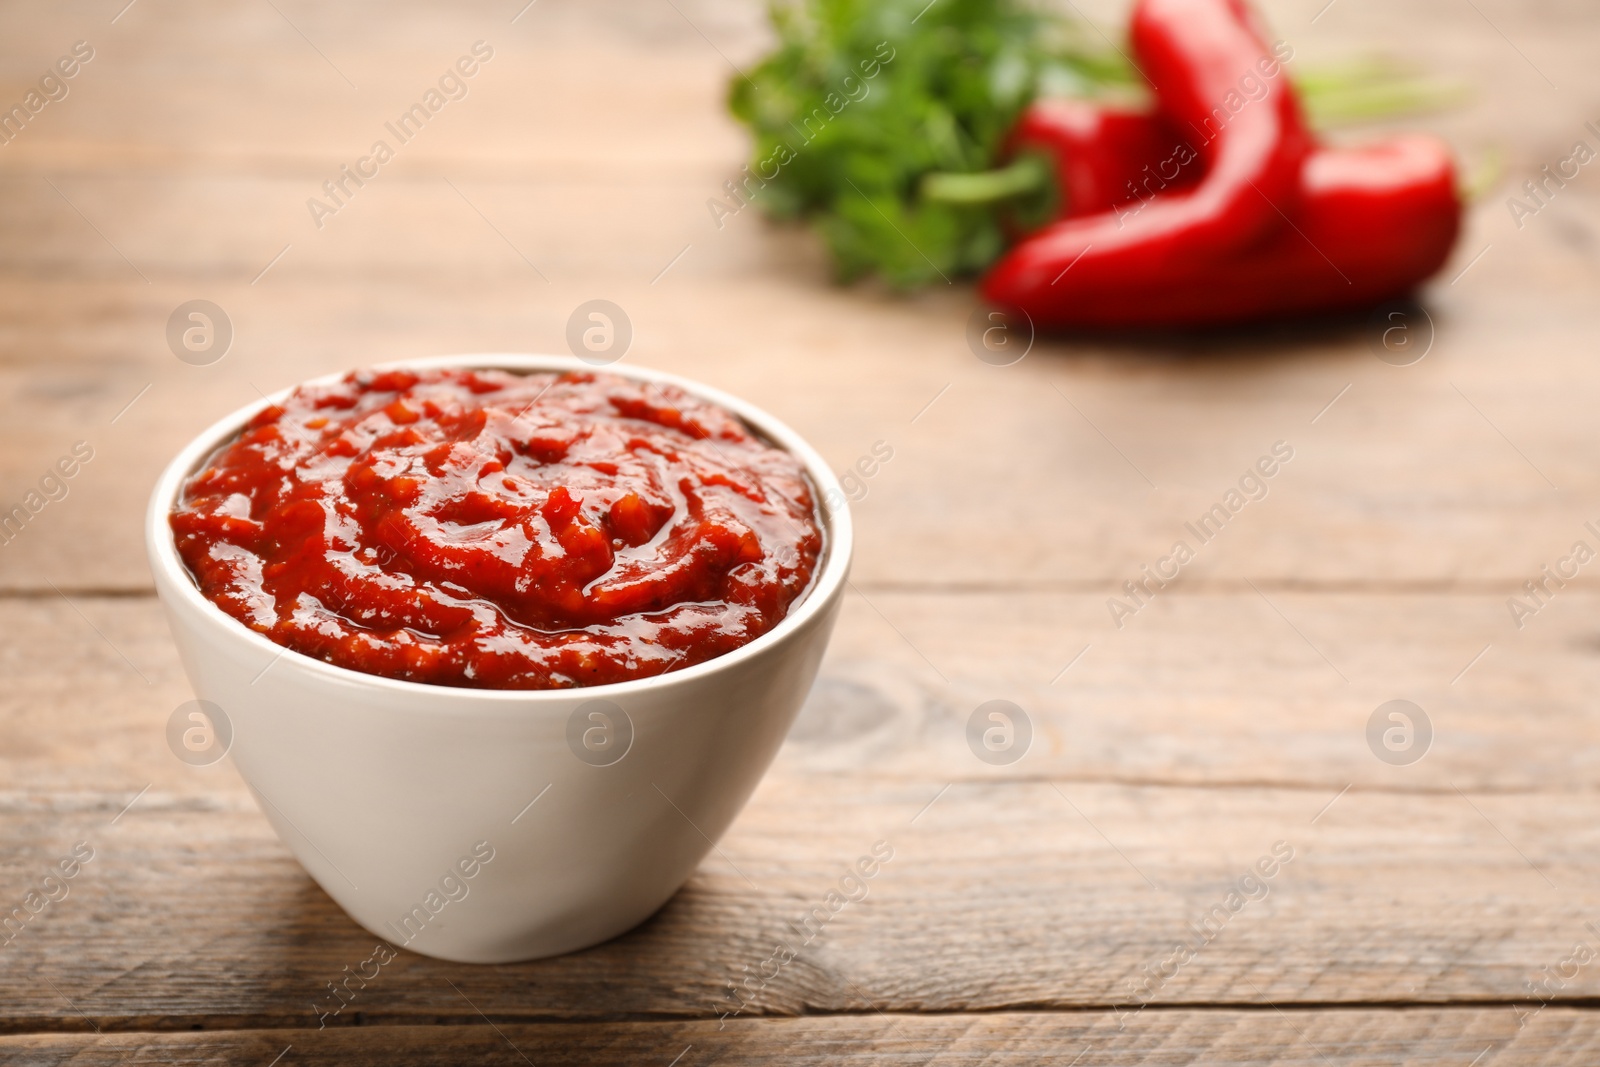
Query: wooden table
x: 1436, y: 911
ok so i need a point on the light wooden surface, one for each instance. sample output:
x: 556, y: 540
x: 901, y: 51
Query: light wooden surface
x: 1025, y: 904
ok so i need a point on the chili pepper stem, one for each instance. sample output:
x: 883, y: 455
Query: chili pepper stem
x: 1026, y: 175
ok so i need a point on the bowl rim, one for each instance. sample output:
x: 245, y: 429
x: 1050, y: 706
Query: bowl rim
x: 173, y: 577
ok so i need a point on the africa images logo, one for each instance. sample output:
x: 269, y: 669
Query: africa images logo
x: 452, y: 85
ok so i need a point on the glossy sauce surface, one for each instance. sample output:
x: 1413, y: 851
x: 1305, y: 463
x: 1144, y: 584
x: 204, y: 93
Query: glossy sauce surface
x: 500, y: 530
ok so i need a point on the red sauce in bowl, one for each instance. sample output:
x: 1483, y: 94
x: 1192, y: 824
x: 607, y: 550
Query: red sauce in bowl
x: 496, y: 530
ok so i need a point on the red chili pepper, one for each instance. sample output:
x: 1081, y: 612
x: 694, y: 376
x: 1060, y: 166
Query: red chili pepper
x: 1213, y: 75
x: 1104, y: 156
x: 1371, y: 222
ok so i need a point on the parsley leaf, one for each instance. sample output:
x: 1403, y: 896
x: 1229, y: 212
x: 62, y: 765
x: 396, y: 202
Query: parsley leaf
x: 862, y: 99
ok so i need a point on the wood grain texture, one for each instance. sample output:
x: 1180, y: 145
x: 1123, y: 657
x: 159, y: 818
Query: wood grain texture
x: 1000, y: 895
x: 1555, y: 1037
x: 1209, y: 689
x: 1429, y: 910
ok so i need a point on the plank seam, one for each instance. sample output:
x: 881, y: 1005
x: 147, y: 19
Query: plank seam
x: 220, y: 1024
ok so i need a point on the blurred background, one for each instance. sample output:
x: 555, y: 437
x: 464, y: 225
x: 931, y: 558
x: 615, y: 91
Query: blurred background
x: 579, y: 166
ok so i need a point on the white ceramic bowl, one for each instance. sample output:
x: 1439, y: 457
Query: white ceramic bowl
x: 390, y: 792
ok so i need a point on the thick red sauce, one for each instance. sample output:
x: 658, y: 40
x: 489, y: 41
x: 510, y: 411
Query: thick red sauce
x: 498, y: 530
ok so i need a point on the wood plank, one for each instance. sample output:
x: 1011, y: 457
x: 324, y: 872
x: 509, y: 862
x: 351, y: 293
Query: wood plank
x: 1212, y: 689
x: 275, y: 97
x: 1216, y: 1038
x: 1000, y: 895
x: 279, y: 84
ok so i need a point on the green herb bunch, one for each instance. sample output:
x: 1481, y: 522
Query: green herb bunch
x: 863, y: 100
x: 881, y: 123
